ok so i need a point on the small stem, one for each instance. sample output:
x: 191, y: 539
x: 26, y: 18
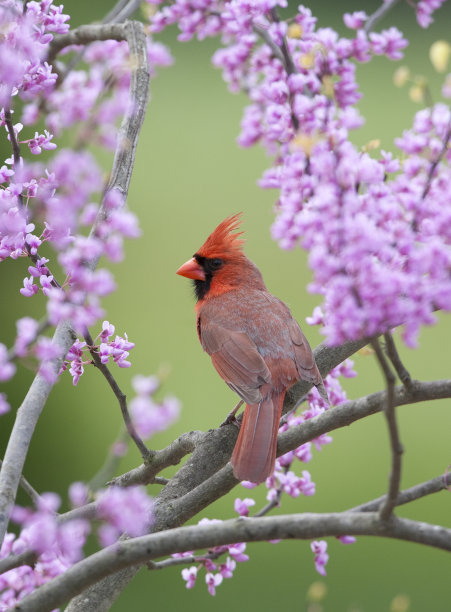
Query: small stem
x: 12, y: 135
x: 389, y: 502
x: 29, y: 490
x: 288, y: 60
x: 435, y: 485
x: 110, y: 465
x: 394, y: 357
x: 379, y: 14
x: 274, y: 503
x: 121, y: 397
x: 436, y: 162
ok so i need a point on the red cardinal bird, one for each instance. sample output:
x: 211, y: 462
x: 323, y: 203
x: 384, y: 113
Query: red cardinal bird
x: 254, y: 343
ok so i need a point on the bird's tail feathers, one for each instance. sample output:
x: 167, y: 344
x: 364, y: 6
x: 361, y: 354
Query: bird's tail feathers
x: 254, y: 455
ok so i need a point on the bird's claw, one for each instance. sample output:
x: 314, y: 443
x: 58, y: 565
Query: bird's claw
x: 231, y: 420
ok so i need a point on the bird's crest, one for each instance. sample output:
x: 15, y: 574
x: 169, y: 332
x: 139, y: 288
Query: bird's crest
x: 224, y: 239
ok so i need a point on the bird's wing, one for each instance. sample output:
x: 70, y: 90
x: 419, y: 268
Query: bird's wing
x: 237, y: 360
x: 305, y: 361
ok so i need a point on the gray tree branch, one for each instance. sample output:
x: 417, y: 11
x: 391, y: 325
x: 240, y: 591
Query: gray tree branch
x: 298, y: 526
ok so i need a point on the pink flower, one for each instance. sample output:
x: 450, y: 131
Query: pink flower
x: 4, y: 406
x: 355, y: 20
x: 126, y: 510
x: 29, y: 288
x: 319, y: 548
x: 189, y: 574
x: 213, y: 580
x: 41, y: 141
x: 7, y: 369
x: 26, y: 334
x: 236, y: 551
x: 226, y: 569
x: 107, y: 331
x: 78, y: 494
x: 242, y: 505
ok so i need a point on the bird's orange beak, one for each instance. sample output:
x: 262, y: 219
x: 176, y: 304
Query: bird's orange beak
x: 191, y: 269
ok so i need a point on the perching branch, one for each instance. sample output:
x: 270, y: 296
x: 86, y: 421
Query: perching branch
x: 301, y: 526
x: 395, y: 442
x: 31, y: 408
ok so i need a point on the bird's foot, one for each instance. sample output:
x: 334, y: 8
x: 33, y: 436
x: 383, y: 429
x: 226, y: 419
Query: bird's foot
x: 231, y: 419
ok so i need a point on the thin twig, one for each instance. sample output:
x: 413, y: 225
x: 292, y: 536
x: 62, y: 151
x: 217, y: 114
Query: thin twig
x: 435, y: 485
x: 160, y: 480
x: 264, y: 34
x: 281, y: 52
x: 379, y: 14
x: 29, y: 490
x: 436, y: 162
x: 275, y: 501
x: 12, y: 135
x: 211, y: 555
x: 389, y: 503
x: 111, y: 463
x: 120, y: 396
x: 288, y: 60
x: 124, y: 13
x: 394, y: 357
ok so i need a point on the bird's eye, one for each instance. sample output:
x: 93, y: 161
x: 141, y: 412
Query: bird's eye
x: 216, y: 263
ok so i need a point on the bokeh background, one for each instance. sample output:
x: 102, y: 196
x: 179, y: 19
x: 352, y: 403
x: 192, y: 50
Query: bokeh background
x: 189, y: 175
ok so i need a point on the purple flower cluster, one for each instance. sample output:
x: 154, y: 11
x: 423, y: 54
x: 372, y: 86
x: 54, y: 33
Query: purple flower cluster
x: 215, y: 573
x: 375, y: 231
x: 117, y: 350
x: 149, y: 416
x: 123, y: 510
x: 319, y: 548
x: 58, y: 546
x: 23, y: 47
x: 424, y: 10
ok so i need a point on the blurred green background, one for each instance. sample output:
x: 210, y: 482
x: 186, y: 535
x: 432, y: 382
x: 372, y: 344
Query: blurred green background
x: 189, y: 175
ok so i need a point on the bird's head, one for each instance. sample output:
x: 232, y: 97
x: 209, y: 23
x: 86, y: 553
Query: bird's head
x: 220, y: 264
